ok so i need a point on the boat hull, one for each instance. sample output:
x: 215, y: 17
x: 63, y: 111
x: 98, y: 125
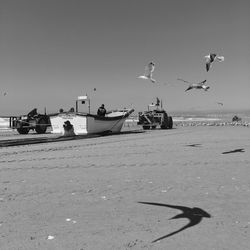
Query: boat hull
x: 87, y: 123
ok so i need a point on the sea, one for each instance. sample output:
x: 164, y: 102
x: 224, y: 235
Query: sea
x: 209, y: 116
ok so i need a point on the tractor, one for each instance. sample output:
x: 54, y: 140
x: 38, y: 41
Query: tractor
x: 150, y: 119
x: 31, y: 121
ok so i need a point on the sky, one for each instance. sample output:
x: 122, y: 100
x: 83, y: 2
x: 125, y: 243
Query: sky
x: 52, y: 51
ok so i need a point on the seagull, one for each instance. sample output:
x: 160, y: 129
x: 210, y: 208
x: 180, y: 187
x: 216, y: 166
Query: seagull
x: 148, y: 72
x: 199, y: 85
x: 211, y: 58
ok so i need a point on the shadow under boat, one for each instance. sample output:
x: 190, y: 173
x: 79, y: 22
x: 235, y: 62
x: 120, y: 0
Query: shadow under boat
x: 35, y: 140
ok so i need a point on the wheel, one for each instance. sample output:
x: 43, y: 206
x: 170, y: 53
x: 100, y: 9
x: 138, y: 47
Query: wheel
x: 41, y: 126
x: 153, y: 127
x: 164, y: 124
x: 145, y: 127
x: 170, y: 122
x: 21, y: 129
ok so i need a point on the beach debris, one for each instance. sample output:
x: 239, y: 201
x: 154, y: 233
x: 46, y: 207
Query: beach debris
x: 199, y: 85
x: 238, y: 150
x: 166, y: 190
x: 212, y: 58
x: 50, y: 237
x: 148, y: 72
x: 70, y: 220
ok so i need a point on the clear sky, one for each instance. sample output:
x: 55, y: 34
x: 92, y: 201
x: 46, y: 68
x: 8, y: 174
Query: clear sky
x: 51, y: 51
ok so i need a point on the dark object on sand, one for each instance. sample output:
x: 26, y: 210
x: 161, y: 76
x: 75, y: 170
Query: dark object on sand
x: 68, y: 129
x: 31, y: 121
x: 238, y: 150
x: 194, y: 215
x: 236, y: 119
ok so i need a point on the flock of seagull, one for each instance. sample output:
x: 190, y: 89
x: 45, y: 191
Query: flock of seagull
x: 210, y: 59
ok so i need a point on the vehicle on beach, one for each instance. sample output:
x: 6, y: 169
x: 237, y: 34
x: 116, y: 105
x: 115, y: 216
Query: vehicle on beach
x: 150, y: 119
x: 31, y: 121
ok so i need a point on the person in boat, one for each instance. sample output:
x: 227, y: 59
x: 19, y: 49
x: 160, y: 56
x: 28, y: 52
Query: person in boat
x: 101, y: 110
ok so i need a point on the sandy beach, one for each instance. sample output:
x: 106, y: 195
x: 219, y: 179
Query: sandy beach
x: 86, y: 194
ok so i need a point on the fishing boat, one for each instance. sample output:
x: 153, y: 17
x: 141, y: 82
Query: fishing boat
x: 85, y: 123
x: 81, y: 123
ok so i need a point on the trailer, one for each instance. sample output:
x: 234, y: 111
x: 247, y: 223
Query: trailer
x: 31, y: 121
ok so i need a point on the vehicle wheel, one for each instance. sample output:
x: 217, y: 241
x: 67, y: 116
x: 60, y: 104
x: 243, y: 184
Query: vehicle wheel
x: 21, y: 129
x: 41, y: 126
x: 170, y: 122
x: 145, y: 127
x: 153, y: 127
x: 164, y: 124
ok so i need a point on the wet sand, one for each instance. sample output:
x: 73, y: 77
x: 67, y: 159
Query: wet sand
x: 85, y: 194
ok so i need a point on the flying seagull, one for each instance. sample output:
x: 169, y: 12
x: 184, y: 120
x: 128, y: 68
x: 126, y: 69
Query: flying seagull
x: 194, y: 215
x: 199, y: 85
x: 148, y: 72
x: 211, y: 58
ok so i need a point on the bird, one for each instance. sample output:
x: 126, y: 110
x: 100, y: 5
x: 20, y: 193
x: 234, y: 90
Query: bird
x: 149, y: 72
x: 212, y: 58
x: 194, y: 215
x: 199, y: 85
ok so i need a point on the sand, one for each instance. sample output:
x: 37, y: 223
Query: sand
x: 85, y: 194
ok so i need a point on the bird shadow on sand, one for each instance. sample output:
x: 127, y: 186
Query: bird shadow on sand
x: 194, y: 215
x: 109, y: 133
x: 194, y: 145
x: 238, y: 150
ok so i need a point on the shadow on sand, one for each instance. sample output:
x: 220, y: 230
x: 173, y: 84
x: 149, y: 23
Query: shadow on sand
x: 37, y: 140
x: 238, y: 150
x: 194, y: 215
